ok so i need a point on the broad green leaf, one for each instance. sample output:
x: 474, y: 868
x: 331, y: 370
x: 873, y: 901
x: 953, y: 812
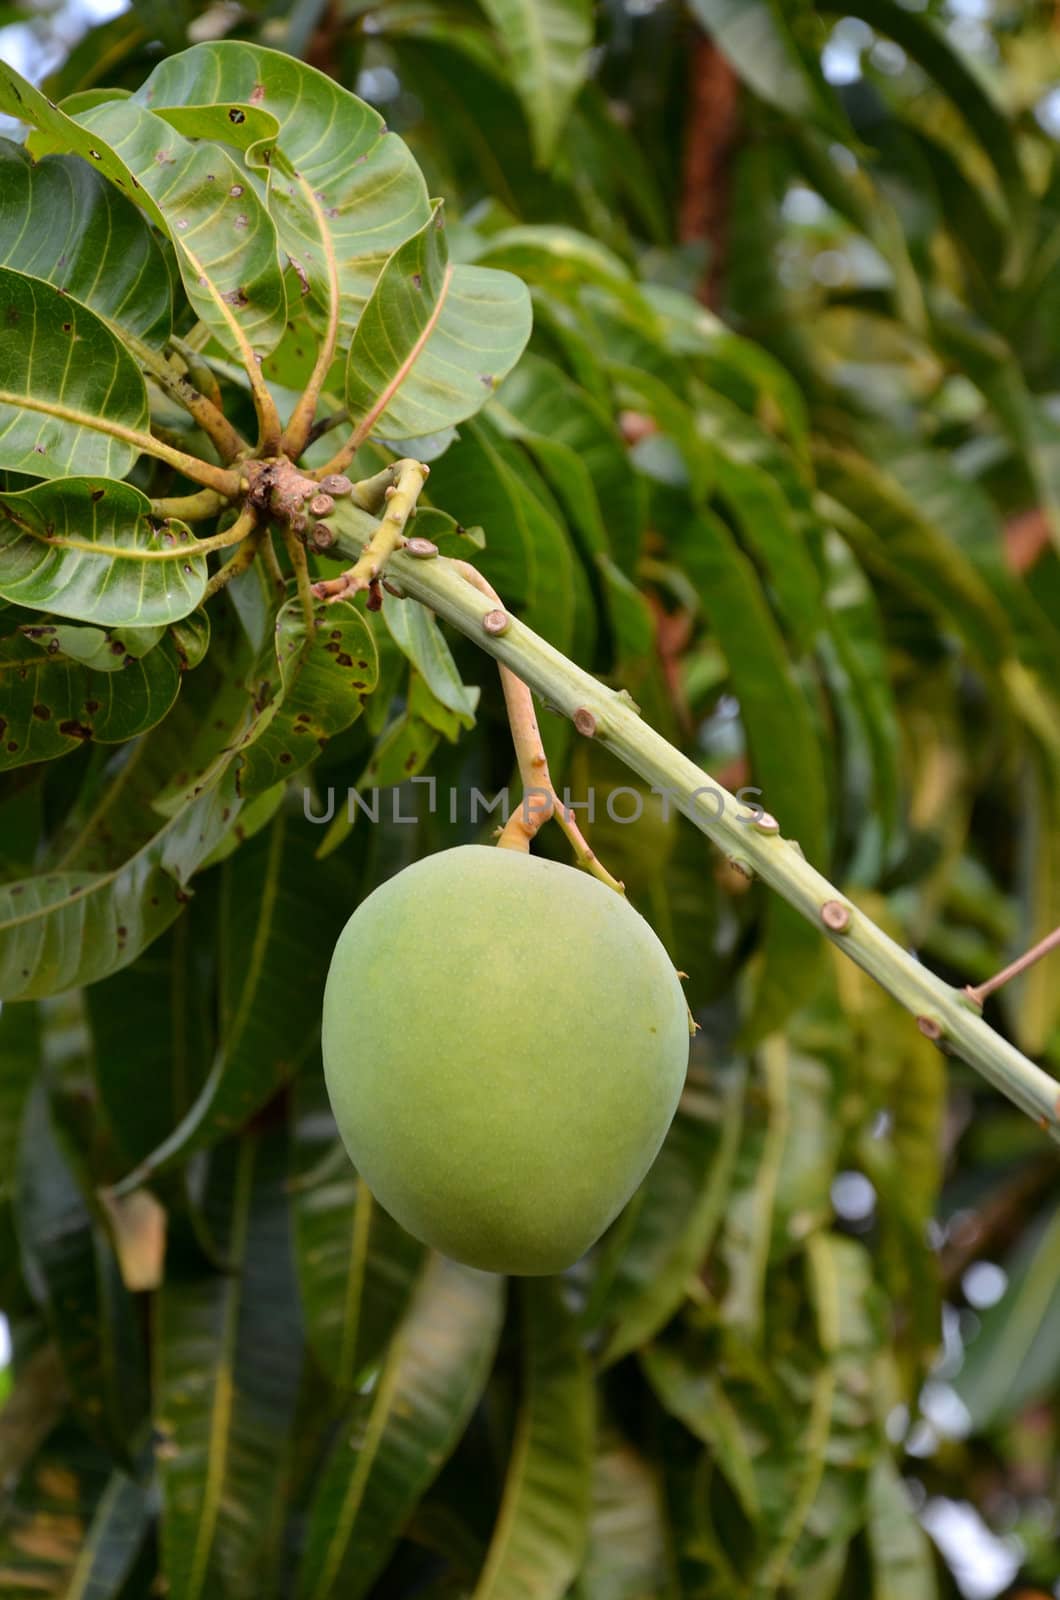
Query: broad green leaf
x: 547, y: 43
x: 902, y: 1564
x: 321, y: 688
x: 73, y: 1272
x: 540, y: 1534
x: 101, y: 650
x: 87, y: 548
x: 61, y: 221
x: 1015, y: 1356
x: 228, y: 1357
x: 416, y: 632
x: 52, y: 705
x: 71, y: 397
x: 431, y: 1377
x: 225, y: 240
x: 344, y: 192
x: 275, y: 937
x: 758, y: 38
x: 663, y: 1243
x: 356, y: 1266
x: 434, y: 340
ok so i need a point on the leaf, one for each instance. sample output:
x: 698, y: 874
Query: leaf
x: 356, y: 1267
x: 345, y: 192
x: 695, y: 1395
x: 73, y: 1272
x: 1015, y: 1356
x: 433, y: 1373
x: 541, y: 1529
x: 627, y: 1556
x: 903, y: 1567
x: 63, y: 412
x: 86, y: 548
x: 758, y: 39
x: 61, y: 221
x: 228, y: 1359
x: 20, y: 1053
x: 52, y: 705
x: 434, y: 340
x: 68, y: 928
x: 113, y: 1540
x: 415, y: 631
x: 547, y: 43
x: 323, y: 683
x: 664, y: 1242
x: 276, y: 931
x: 224, y: 239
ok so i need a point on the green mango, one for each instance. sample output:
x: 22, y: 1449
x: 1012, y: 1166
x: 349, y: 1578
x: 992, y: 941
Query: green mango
x: 505, y: 1042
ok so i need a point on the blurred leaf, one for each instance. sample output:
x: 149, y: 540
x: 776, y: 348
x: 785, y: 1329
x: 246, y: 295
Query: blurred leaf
x: 540, y: 1534
x: 1014, y: 1358
x: 416, y: 632
x: 113, y: 1540
x: 228, y: 1355
x: 547, y: 43
x: 627, y: 1556
x: 903, y: 1568
x: 761, y: 44
x: 411, y: 1418
x: 356, y: 1266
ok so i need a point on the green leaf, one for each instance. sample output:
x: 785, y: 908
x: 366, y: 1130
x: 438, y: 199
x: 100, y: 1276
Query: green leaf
x: 1015, y: 1356
x: 902, y: 1563
x: 277, y: 929
x: 321, y: 689
x: 433, y: 1373
x: 666, y: 1235
x: 113, y: 1540
x: 758, y: 39
x: 228, y: 1359
x: 627, y: 1556
x: 344, y: 192
x: 52, y: 705
x: 695, y: 1395
x: 87, y: 548
x: 434, y: 340
x: 71, y: 397
x: 540, y: 1534
x: 73, y: 1272
x: 415, y: 631
x: 356, y: 1267
x: 20, y: 1053
x: 547, y: 43
x: 61, y: 221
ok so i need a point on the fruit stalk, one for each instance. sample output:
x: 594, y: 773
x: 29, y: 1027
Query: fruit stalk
x: 942, y: 1013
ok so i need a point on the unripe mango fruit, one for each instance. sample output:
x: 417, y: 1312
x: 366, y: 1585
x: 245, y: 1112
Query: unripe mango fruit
x: 505, y: 1041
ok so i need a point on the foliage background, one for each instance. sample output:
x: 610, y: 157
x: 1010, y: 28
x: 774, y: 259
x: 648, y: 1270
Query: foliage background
x: 784, y: 460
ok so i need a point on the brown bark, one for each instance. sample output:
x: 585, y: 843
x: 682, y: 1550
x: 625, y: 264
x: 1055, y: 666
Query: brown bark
x: 711, y: 134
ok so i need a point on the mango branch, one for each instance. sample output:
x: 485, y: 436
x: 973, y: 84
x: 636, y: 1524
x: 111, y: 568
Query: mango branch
x: 942, y: 1012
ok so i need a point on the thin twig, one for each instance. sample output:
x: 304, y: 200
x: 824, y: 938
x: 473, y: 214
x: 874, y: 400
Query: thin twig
x: 300, y: 563
x: 189, y: 507
x: 1013, y: 970
x: 228, y: 440
x: 243, y: 558
x: 272, y: 565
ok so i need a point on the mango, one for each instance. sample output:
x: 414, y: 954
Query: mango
x: 505, y: 1041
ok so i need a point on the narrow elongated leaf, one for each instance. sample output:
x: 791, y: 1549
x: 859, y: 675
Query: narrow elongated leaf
x: 52, y: 704
x: 20, y: 1054
x: 434, y: 340
x: 323, y: 684
x: 902, y: 1563
x: 1015, y: 1356
x: 113, y: 1540
x: 627, y: 1556
x: 415, y: 631
x: 228, y: 1358
x: 68, y: 928
x: 73, y: 1271
x: 71, y: 397
x: 344, y: 192
x: 356, y: 1266
x: 757, y: 37
x: 87, y: 548
x: 695, y: 1395
x: 541, y: 1530
x: 432, y: 1376
x: 62, y: 221
x: 547, y: 42
x: 276, y: 934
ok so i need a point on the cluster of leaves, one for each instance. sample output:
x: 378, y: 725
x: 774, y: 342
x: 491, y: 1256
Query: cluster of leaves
x: 785, y: 541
